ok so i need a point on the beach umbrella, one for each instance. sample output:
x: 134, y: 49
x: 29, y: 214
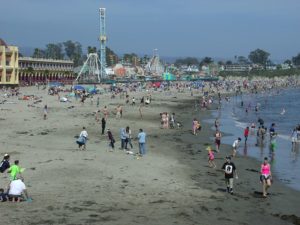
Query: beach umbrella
x: 92, y: 90
x: 55, y: 84
x: 78, y: 87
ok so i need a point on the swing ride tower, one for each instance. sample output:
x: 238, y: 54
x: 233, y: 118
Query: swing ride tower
x: 102, y: 39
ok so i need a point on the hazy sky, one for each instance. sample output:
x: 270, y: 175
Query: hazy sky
x: 216, y: 28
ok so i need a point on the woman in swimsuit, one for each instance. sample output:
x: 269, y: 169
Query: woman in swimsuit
x: 266, y: 176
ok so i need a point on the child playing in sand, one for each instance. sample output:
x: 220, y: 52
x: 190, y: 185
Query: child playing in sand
x: 3, y: 195
x: 211, y: 157
x: 15, y: 170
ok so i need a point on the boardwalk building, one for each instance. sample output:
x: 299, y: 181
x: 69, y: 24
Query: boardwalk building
x: 8, y: 64
x: 38, y: 70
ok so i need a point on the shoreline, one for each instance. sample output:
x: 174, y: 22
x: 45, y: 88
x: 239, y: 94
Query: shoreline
x: 172, y: 184
x: 282, y: 161
x: 248, y: 185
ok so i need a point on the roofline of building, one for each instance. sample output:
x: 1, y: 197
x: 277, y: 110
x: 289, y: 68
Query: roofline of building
x: 44, y: 60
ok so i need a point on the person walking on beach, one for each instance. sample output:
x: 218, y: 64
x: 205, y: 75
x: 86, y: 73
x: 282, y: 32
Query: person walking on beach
x: 142, y: 142
x: 45, y: 112
x: 194, y: 127
x: 218, y: 137
x: 82, y: 140
x: 98, y: 101
x: 211, y: 157
x: 272, y: 130
x: 235, y: 146
x: 128, y: 138
x: 141, y: 111
x: 230, y: 170
x: 266, y: 176
x: 111, y: 140
x: 246, y: 134
x: 103, y: 125
x: 119, y: 112
x: 172, y: 120
x: 123, y: 138
x: 133, y: 101
x: 105, y: 112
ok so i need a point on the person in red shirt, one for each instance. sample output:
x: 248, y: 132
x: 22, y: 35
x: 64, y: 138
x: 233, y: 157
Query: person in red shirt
x: 246, y: 134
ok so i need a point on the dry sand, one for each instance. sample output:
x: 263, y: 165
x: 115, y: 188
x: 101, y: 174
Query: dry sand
x: 172, y: 184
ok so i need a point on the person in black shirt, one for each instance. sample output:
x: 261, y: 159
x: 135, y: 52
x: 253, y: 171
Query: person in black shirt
x: 4, y: 165
x: 103, y: 124
x: 229, y: 169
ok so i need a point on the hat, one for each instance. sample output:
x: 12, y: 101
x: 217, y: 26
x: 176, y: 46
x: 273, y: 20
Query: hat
x: 5, y: 155
x: 228, y: 157
x: 209, y: 148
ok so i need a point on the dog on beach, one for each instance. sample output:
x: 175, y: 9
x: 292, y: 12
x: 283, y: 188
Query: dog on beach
x: 179, y: 125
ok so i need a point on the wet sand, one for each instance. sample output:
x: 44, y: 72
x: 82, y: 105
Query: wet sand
x: 172, y: 184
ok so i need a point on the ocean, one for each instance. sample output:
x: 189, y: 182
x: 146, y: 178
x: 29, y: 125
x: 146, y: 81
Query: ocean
x: 278, y: 106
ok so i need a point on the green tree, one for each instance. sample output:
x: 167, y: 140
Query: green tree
x: 242, y: 60
x: 229, y: 62
x: 111, y: 57
x: 288, y: 61
x: 206, y: 61
x: 38, y: 53
x: 131, y: 58
x: 259, y: 56
x: 54, y: 51
x: 91, y: 49
x: 70, y: 47
x: 145, y: 59
x: 296, y: 60
x: 187, y: 61
x: 73, y: 51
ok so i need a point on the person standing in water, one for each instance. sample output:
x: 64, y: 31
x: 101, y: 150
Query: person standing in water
x: 294, y: 137
x: 217, y: 124
x: 218, y: 137
x: 235, y: 146
x: 246, y: 134
x: 211, y: 157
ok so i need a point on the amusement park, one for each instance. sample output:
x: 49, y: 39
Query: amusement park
x: 17, y: 69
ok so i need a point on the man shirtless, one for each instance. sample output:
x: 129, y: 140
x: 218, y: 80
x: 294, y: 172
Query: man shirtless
x: 105, y: 112
x: 119, y: 112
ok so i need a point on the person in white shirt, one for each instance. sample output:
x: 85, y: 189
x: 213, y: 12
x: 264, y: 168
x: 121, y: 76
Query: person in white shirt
x: 83, y: 136
x: 17, y: 190
x: 235, y: 146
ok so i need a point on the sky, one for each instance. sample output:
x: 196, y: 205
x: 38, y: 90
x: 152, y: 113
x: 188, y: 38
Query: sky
x: 177, y: 28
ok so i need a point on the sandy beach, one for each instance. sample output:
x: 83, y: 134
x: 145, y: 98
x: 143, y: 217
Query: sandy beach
x: 171, y: 184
